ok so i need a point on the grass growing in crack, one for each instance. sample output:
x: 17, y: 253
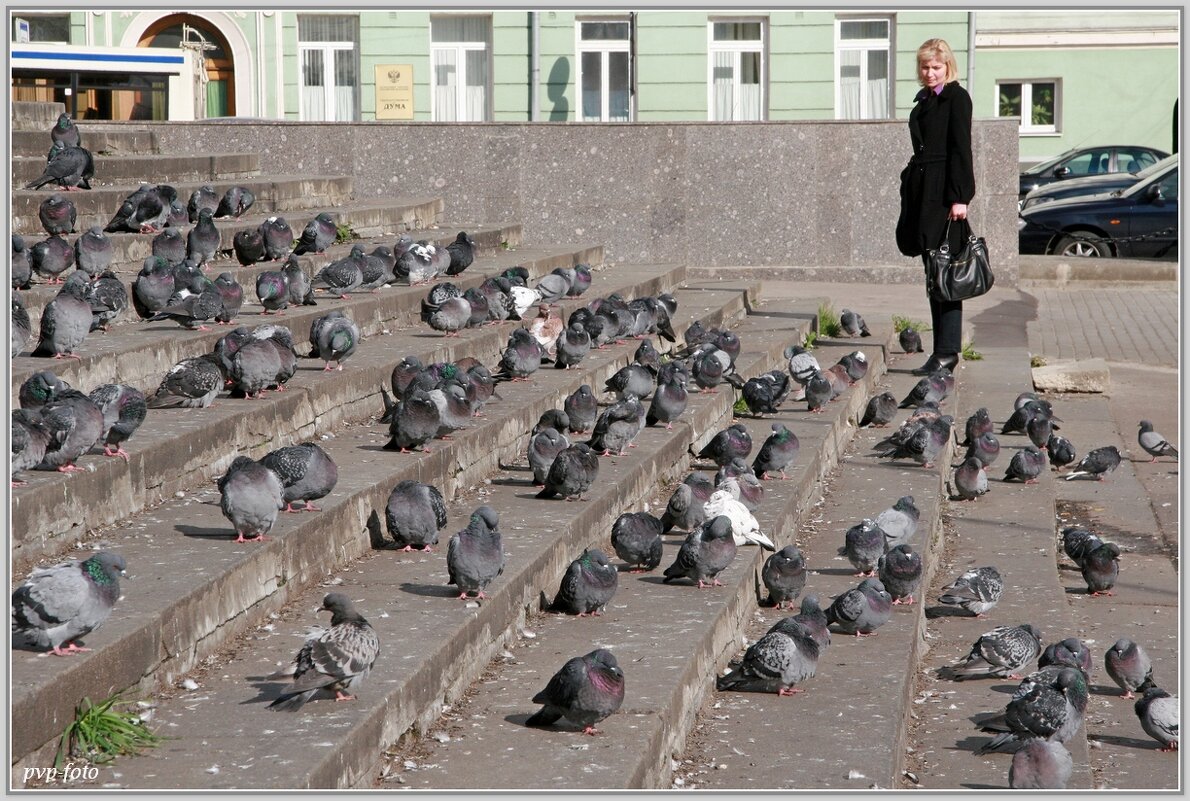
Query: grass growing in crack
x: 811, y: 338
x: 740, y: 406
x: 101, y: 732
x: 900, y: 323
x: 343, y: 233
x: 970, y: 354
x: 828, y: 321
x: 1037, y: 361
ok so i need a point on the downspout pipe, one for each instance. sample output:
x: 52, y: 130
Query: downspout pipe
x: 971, y: 52
x: 534, y: 66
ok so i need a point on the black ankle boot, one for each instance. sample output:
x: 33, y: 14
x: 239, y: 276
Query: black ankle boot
x: 949, y: 361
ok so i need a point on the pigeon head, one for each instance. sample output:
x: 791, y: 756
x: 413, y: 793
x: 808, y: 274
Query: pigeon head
x: 790, y: 555
x: 64, y: 122
x: 718, y: 529
x: 105, y: 567
x: 603, y: 658
x: 489, y: 516
x: 1122, y: 645
x: 810, y: 605
x: 340, y: 607
x: 76, y: 284
x: 205, y: 215
x: 872, y: 586
x: 1145, y: 425
x: 1032, y: 630
x: 594, y: 556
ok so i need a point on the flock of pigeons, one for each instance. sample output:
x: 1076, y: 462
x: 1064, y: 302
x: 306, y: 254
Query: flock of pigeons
x: 56, y: 425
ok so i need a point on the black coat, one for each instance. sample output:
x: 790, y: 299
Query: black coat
x: 940, y: 173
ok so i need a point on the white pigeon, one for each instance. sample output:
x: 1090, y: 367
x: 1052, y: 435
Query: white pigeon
x: 744, y: 527
x: 523, y: 298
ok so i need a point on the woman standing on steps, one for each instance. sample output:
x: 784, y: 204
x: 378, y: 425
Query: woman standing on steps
x: 938, y: 183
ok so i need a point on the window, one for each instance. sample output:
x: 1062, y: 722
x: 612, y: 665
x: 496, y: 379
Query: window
x: 737, y: 70
x: 460, y: 55
x: 604, y: 70
x: 1035, y: 102
x: 44, y: 27
x: 328, y: 50
x: 862, y: 52
x: 1134, y: 159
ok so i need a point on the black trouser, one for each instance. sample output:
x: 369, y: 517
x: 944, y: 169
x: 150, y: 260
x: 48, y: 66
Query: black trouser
x: 946, y: 317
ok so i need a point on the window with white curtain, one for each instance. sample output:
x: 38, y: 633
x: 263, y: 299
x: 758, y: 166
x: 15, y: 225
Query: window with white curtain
x: 862, y: 52
x: 604, y: 70
x: 328, y: 52
x: 460, y: 57
x: 736, y: 51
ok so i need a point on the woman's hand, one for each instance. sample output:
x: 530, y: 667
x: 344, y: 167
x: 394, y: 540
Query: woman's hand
x: 958, y: 211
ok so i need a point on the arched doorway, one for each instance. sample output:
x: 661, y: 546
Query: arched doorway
x: 172, y: 31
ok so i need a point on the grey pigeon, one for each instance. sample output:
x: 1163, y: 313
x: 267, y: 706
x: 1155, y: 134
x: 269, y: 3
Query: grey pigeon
x: 232, y: 296
x: 416, y: 265
x: 815, y: 621
x: 572, y: 346
x: 205, y: 197
x: 730, y: 443
x: 899, y: 522
x: 669, y: 398
x: 334, y: 337
x: 454, y: 410
x: 307, y: 473
x: 1025, y: 412
x: 266, y: 361
x: 861, y: 610
x: 552, y: 287
x: 22, y: 263
x: 65, y: 320
x: 777, y: 452
x: 1044, y: 710
x: 1129, y: 666
x: 582, y: 280
x: 30, y: 438
x: 1078, y: 542
x: 863, y: 545
x: 521, y: 357
x: 191, y: 383
x: 272, y: 290
x: 194, y: 306
x: 177, y: 215
x: 22, y: 327
x: 301, y: 289
x: 57, y: 214
x: 1000, y: 652
x: 572, y: 473
x: 1040, y: 765
x: 69, y: 167
x: 1153, y: 443
x: 462, y: 253
x: 647, y: 356
x: 853, y: 325
x: 236, y: 201
x: 985, y: 448
x: 59, y: 605
x: 1026, y: 465
x: 739, y: 480
x: 766, y: 392
x: 143, y: 212
x: 900, y: 572
x: 475, y: 555
x: 636, y: 538
x: 123, y: 410
x: 587, y: 586
x: 318, y: 235
x: 544, y: 447
x: 582, y: 408
x: 248, y: 246
x: 1101, y: 568
x: 250, y: 496
x: 977, y: 424
x: 278, y: 237
x: 553, y: 418
x: 1160, y: 718
x: 51, y: 257
x: 93, y: 251
x: 880, y: 411
x: 345, y: 275
x: 708, y: 368
x: 978, y: 590
x: 784, y: 576
x: 228, y: 345
x: 856, y: 365
x: 685, y: 509
x: 1061, y: 451
x: 705, y: 553
x: 1039, y: 429
x: 970, y: 479
x: 202, y: 243
x: 818, y: 392
x: 910, y: 340
x: 837, y: 376
x: 617, y: 426
x: 631, y: 379
x: 802, y: 364
x: 170, y: 246
x: 414, y: 515
x: 338, y: 658
x: 785, y: 656
x: 585, y: 690
x: 378, y: 268
x: 65, y: 131
x: 414, y: 423
x: 153, y: 287
x: 450, y: 316
x: 1070, y: 652
x: 930, y: 389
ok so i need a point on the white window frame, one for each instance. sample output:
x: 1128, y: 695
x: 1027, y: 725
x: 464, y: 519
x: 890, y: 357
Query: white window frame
x: 328, y: 76
x: 604, y: 47
x: 461, y: 49
x: 1027, y: 128
x: 864, y: 46
x: 738, y: 47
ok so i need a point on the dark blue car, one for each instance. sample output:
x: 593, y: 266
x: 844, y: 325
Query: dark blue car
x: 1083, y: 161
x: 1091, y: 185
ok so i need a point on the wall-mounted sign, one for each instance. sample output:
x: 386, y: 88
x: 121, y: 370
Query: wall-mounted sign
x: 394, y: 91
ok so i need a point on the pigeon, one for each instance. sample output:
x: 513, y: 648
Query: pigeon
x: 784, y: 576
x: 65, y: 320
x: 30, y: 438
x: 544, y: 446
x: 815, y: 621
x: 617, y: 426
x: 59, y: 605
x: 978, y: 590
x: 984, y: 448
x: 153, y: 287
x: 818, y: 392
x: 900, y: 572
x: 345, y: 275
x: 301, y: 290
x: 338, y: 658
x: 236, y: 201
x: 1026, y: 465
x: 57, y: 215
x: 1153, y: 443
x: 802, y: 364
x: 22, y: 263
x: 836, y: 375
x: 413, y: 423
x: 853, y: 324
x: 730, y: 443
x: 1129, y: 666
x: 318, y: 235
x: 586, y: 690
x: 69, y: 167
x: 1159, y: 717
x: 204, y: 197
x: 647, y: 356
x: 861, y: 610
x: 582, y: 408
x: 74, y: 423
x: 685, y: 509
x: 778, y: 452
x: 709, y: 368
x: 232, y: 296
x: 1021, y: 416
x: 39, y: 389
x: 1070, y: 652
x: 669, y: 398
x: 785, y: 656
x: 631, y: 379
x: 738, y: 480
x: 414, y: 514
x: 475, y: 555
x: 572, y: 346
x: 856, y: 365
x: 450, y: 316
x: 764, y: 393
x: 65, y: 131
x: 977, y: 424
x: 248, y: 246
x: 1038, y: 709
x: 572, y: 473
x: 970, y: 479
x: 1040, y: 765
x: 898, y: 523
x: 143, y: 212
x: 416, y: 265
x: 910, y: 340
x: 170, y: 246
x: 202, y: 243
x: 277, y: 236
x: 462, y: 253
x: 307, y: 473
x: 880, y: 411
x: 863, y: 545
x: 51, y: 257
x: 930, y: 389
x: 521, y: 357
x: 191, y: 383
x: 194, y: 306
x: 745, y: 528
x: 636, y: 538
x: 1039, y: 428
x: 552, y: 418
x: 334, y: 337
x: 1101, y: 568
x: 1000, y: 652
x: 272, y: 290
x: 378, y: 268
x: 552, y: 287
x: 1061, y: 451
x: 22, y: 327
x: 1078, y: 542
x: 587, y: 586
x: 123, y: 410
x: 581, y: 282
x: 705, y: 553
x: 93, y: 251
x: 250, y: 496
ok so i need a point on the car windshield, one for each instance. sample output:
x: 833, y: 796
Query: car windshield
x: 1046, y: 165
x: 1141, y: 186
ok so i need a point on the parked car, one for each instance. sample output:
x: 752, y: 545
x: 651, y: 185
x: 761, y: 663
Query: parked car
x: 1085, y: 161
x: 1091, y: 184
x: 1140, y: 221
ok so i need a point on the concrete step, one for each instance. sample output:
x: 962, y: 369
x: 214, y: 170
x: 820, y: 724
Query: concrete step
x: 489, y: 239
x: 31, y: 115
x: 183, y: 618
x: 121, y: 170
x: 167, y: 455
x: 100, y: 141
x: 274, y: 194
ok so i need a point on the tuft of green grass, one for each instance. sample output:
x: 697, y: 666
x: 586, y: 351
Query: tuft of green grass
x: 828, y: 321
x: 970, y: 354
x: 101, y: 732
x: 343, y: 233
x: 900, y: 323
x: 740, y: 406
x: 811, y: 338
x: 504, y: 244
x: 1037, y: 361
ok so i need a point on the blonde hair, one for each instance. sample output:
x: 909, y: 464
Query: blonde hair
x: 939, y: 49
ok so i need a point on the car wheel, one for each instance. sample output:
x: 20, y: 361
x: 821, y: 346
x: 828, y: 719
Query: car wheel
x: 1083, y: 245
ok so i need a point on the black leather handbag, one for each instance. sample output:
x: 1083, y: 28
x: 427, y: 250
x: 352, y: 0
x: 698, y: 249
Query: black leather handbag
x: 959, y: 276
